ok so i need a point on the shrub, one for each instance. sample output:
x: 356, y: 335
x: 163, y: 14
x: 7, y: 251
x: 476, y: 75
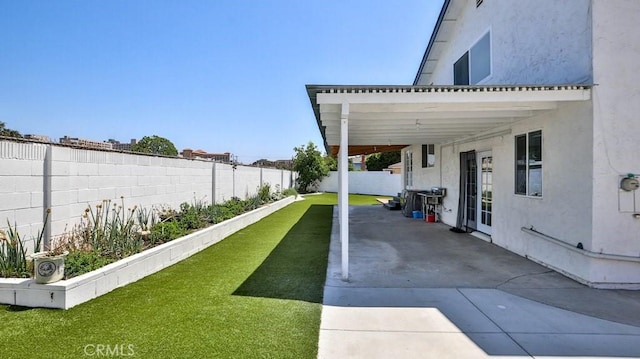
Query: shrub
x: 290, y: 192
x: 80, y: 262
x: 166, y: 231
x: 192, y: 217
x: 264, y: 193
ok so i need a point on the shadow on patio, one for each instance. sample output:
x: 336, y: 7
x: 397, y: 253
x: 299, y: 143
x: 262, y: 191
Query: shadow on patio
x: 417, y: 289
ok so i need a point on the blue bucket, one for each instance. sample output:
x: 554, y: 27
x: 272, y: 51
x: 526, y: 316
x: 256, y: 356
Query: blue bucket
x: 417, y: 214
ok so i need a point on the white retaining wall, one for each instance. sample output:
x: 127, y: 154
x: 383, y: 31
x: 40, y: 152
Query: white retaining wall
x: 69, y: 293
x: 36, y: 176
x: 365, y: 182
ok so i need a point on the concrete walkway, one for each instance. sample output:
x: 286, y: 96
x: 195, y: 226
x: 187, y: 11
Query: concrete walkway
x: 417, y: 290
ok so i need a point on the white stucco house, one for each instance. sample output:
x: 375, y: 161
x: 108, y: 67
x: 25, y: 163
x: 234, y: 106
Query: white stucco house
x: 528, y: 113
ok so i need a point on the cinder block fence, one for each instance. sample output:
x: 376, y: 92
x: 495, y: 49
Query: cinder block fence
x: 37, y: 176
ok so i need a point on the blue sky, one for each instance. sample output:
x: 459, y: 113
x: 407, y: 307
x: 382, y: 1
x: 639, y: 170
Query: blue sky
x: 218, y: 75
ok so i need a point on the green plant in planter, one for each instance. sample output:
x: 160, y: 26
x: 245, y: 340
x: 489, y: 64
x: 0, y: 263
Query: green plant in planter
x: 109, y: 232
x: 80, y: 262
x: 166, y: 231
x: 14, y: 261
x: 264, y: 193
x: 290, y: 192
x: 110, y: 229
x: 192, y: 217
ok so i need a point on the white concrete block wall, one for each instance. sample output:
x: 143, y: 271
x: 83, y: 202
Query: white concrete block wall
x: 275, y: 178
x: 365, y: 182
x: 21, y: 187
x: 224, y: 176
x: 79, y: 178
x: 247, y: 181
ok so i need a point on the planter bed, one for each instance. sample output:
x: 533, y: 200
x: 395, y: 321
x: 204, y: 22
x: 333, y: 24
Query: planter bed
x: 69, y: 293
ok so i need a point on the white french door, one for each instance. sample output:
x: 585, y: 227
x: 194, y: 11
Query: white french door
x: 485, y: 191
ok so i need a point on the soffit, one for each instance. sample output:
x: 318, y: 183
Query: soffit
x: 382, y: 116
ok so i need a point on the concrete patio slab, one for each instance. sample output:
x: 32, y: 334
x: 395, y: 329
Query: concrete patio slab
x: 449, y: 302
x: 417, y: 290
x: 515, y: 314
x: 579, y: 345
x: 388, y: 319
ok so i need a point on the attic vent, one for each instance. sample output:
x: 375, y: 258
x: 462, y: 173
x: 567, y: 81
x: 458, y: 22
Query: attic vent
x: 478, y: 2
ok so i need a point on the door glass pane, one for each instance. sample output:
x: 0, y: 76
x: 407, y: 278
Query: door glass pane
x: 408, y: 169
x: 471, y: 190
x: 487, y: 190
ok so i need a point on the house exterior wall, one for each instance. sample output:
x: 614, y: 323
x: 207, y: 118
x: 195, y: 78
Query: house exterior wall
x: 563, y: 212
x: 532, y: 41
x: 616, y: 98
x: 587, y: 146
x: 423, y: 178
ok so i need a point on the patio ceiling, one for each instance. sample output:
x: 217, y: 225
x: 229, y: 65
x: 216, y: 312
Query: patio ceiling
x: 384, y: 117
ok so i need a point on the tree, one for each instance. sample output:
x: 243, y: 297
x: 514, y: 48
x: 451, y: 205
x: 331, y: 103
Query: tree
x: 332, y: 163
x: 380, y: 161
x: 310, y: 165
x: 155, y: 144
x: 8, y: 132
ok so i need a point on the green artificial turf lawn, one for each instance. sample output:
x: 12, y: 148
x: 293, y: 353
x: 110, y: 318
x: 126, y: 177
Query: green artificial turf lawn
x: 257, y: 294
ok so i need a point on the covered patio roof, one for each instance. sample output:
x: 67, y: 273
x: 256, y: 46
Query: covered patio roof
x: 361, y: 118
x: 383, y: 118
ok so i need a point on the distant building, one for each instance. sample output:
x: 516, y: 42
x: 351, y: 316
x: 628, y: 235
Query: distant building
x: 41, y: 138
x: 66, y: 140
x: 284, y: 164
x: 280, y: 164
x: 217, y: 157
x: 122, y: 146
x: 359, y: 162
x: 395, y: 168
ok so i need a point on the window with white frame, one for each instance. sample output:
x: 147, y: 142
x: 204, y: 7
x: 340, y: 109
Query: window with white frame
x: 528, y: 166
x: 428, y: 155
x: 474, y: 65
x: 408, y: 169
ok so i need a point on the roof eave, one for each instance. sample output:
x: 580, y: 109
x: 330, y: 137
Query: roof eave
x: 445, y: 7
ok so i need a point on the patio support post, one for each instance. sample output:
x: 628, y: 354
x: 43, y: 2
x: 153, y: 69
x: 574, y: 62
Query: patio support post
x: 343, y: 190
